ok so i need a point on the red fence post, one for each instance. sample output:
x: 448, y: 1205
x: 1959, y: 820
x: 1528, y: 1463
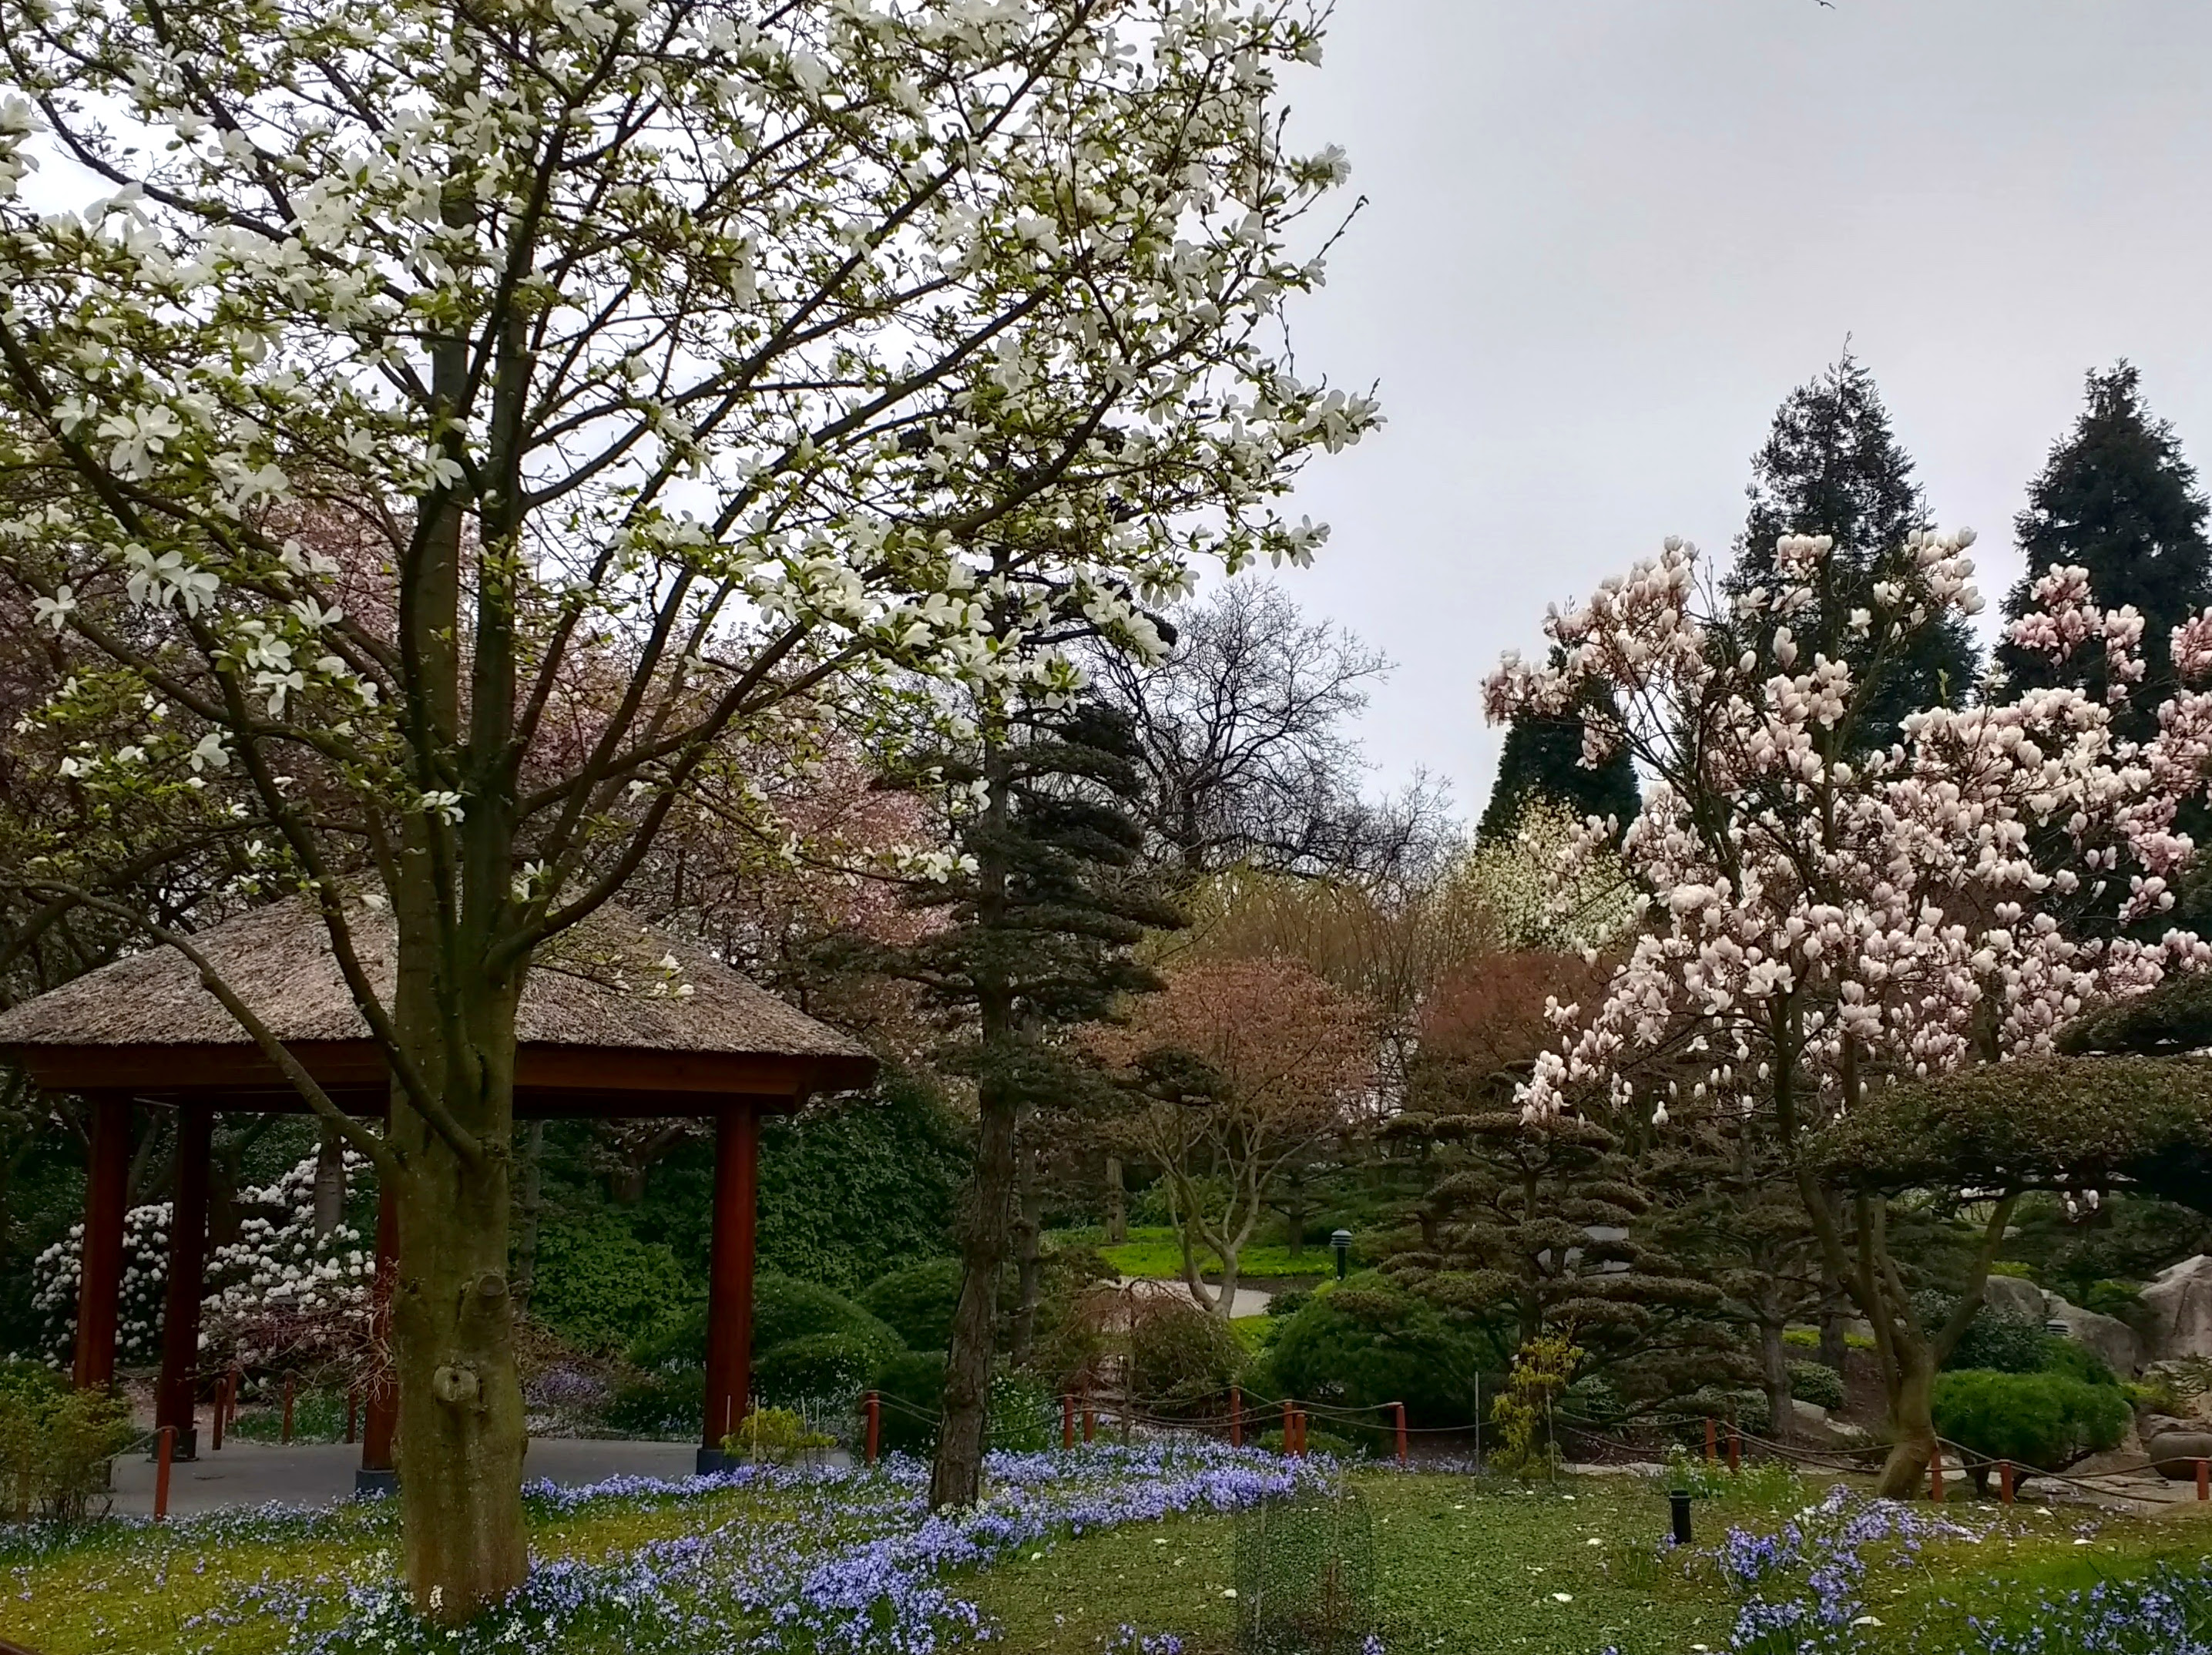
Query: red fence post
x: 2004, y: 1481
x: 288, y: 1408
x: 1711, y: 1439
x: 1936, y: 1474
x: 874, y: 1408
x: 164, y: 1449
x: 1067, y: 1419
x: 2204, y: 1479
x: 1400, y: 1406
x: 1736, y: 1449
x: 1235, y: 1417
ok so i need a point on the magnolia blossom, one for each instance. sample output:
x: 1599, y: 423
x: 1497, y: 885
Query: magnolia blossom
x: 1829, y: 904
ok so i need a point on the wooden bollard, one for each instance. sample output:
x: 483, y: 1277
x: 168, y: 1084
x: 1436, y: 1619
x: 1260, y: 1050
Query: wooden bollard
x: 164, y: 1449
x: 875, y: 1415
x: 1936, y: 1474
x: 1068, y: 1420
x: 2004, y: 1481
x: 1289, y: 1426
x: 1235, y: 1417
x: 1736, y: 1449
x: 1712, y: 1440
x: 288, y: 1409
x: 2204, y: 1479
x: 1400, y: 1406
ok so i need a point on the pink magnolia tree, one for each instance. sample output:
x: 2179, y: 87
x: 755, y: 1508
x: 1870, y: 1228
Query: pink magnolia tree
x: 1826, y: 905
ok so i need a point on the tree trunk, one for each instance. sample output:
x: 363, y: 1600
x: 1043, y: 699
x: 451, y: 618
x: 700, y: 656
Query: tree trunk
x: 1117, y: 1204
x: 1774, y: 1366
x: 1912, y: 1419
x: 956, y: 1477
x: 330, y: 1180
x: 530, y: 1205
x: 1028, y: 1258
x: 1294, y: 1212
x: 1835, y: 1348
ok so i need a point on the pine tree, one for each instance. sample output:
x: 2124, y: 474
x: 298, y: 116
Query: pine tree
x: 2117, y: 499
x: 1042, y: 915
x: 1830, y: 465
x: 1543, y: 760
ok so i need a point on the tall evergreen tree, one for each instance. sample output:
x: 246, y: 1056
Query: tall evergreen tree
x: 2117, y: 499
x: 1543, y: 760
x: 1831, y: 466
x: 1041, y: 912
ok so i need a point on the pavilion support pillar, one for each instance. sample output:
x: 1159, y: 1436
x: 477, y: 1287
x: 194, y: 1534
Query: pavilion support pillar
x: 730, y: 1289
x: 176, y: 1404
x: 378, y: 1473
x: 99, y: 1284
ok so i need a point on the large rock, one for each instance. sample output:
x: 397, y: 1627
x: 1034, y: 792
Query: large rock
x: 2014, y: 1296
x: 2108, y: 1335
x: 2180, y: 1301
x: 2175, y: 1453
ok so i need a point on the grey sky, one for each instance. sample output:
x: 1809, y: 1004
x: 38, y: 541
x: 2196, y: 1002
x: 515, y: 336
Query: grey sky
x: 1606, y: 237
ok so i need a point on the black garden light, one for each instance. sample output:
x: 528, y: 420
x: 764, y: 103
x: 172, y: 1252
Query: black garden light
x: 1679, y: 1500
x: 1341, y: 1244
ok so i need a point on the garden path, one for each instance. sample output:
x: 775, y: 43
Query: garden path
x: 1249, y: 1301
x: 243, y: 1475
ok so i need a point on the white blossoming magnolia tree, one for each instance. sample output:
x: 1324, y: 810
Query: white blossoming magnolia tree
x: 687, y: 353
x: 1830, y: 906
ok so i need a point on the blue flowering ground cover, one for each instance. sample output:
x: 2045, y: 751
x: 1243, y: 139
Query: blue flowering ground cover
x: 1114, y: 1551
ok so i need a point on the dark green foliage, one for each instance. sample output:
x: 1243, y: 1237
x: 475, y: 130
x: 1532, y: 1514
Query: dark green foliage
x: 601, y: 1288
x: 1542, y: 759
x: 2073, y: 1360
x: 1182, y: 1359
x: 2130, y: 1237
x: 2000, y: 1342
x: 917, y: 1302
x: 1370, y: 1341
x: 826, y: 1367
x: 784, y: 1308
x: 912, y: 1386
x: 665, y: 1402
x: 2117, y: 499
x: 2045, y: 1421
x: 1818, y: 1383
x: 1830, y: 465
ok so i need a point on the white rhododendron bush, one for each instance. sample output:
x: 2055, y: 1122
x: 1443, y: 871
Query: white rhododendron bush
x: 278, y: 1297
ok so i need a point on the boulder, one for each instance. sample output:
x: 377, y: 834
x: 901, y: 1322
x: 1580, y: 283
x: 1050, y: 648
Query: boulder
x: 2174, y: 1454
x: 2108, y: 1335
x: 2180, y: 1304
x: 1808, y: 1413
x: 2014, y: 1296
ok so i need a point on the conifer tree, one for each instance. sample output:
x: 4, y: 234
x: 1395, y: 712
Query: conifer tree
x: 1830, y: 465
x: 2117, y: 499
x: 1042, y: 913
x: 1543, y: 760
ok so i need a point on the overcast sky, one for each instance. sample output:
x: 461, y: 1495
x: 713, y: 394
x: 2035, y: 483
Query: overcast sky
x: 1604, y: 238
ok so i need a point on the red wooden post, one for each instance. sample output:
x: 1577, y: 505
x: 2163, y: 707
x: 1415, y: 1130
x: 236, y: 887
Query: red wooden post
x: 875, y: 1424
x: 2204, y: 1479
x: 2004, y: 1481
x: 175, y: 1404
x: 381, y: 1414
x: 1936, y: 1474
x: 1235, y: 1417
x: 730, y: 1290
x: 287, y: 1436
x: 99, y: 1285
x: 353, y: 1412
x: 1400, y: 1406
x: 1712, y: 1440
x: 164, y: 1450
x: 1289, y: 1426
x: 1068, y: 1420
x: 1735, y: 1448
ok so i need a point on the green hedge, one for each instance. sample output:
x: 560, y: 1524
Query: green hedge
x: 828, y: 1367
x: 2043, y: 1421
x: 784, y: 1308
x: 1367, y: 1341
x: 917, y: 1302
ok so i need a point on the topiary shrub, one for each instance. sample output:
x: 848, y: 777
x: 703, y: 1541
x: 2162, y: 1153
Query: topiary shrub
x: 1996, y: 1340
x: 602, y: 1289
x: 1818, y: 1383
x: 785, y: 1308
x: 917, y: 1302
x: 1367, y: 1341
x: 1182, y: 1359
x: 829, y: 1367
x: 2045, y: 1421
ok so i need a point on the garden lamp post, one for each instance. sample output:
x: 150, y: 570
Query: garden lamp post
x: 1341, y: 1243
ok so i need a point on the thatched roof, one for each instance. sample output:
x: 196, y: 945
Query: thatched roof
x: 609, y: 983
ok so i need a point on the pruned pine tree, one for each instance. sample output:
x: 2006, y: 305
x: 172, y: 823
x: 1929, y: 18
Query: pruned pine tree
x: 2116, y: 500
x: 1830, y: 465
x: 1041, y: 912
x: 1543, y: 761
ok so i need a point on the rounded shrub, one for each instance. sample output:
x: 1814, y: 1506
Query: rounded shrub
x: 1369, y: 1342
x: 912, y: 1385
x: 917, y: 1302
x: 785, y: 1308
x: 1996, y: 1340
x: 1818, y: 1383
x: 2042, y: 1420
x: 2075, y: 1361
x: 828, y: 1367
x: 1182, y: 1359
x: 666, y: 1402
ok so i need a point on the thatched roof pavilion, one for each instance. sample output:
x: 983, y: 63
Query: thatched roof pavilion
x: 616, y: 1019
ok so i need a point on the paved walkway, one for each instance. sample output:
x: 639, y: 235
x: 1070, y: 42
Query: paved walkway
x: 242, y: 1474
x: 1250, y: 1301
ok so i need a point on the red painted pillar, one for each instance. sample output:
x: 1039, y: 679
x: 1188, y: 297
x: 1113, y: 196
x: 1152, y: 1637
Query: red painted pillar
x: 380, y: 1418
x: 730, y: 1286
x: 99, y: 1286
x: 180, y: 1319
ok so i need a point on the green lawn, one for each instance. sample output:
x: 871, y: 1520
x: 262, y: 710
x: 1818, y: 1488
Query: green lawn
x: 1152, y: 1250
